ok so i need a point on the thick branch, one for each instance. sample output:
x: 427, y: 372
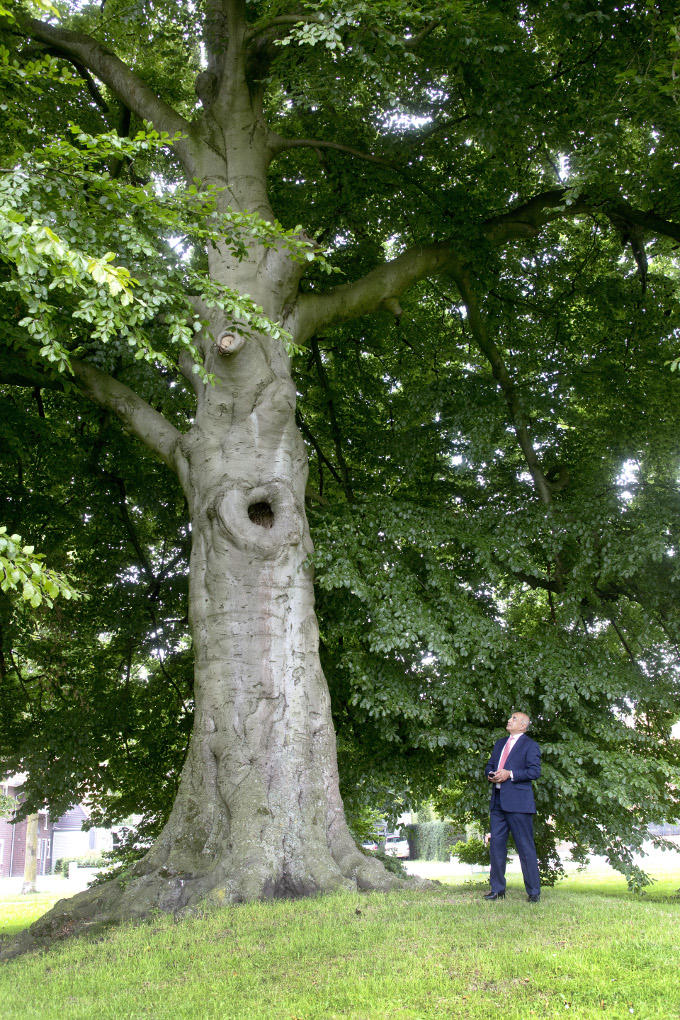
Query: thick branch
x: 500, y: 373
x: 136, y: 415
x: 218, y: 26
x: 381, y: 285
x: 527, y: 219
x: 128, y: 86
x: 282, y: 20
x: 215, y: 33
x: 227, y: 71
x: 314, y: 311
x: 649, y: 221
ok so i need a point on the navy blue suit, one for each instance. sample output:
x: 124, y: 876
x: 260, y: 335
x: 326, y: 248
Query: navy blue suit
x: 512, y: 810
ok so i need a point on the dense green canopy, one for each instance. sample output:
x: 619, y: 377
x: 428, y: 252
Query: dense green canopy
x: 493, y: 448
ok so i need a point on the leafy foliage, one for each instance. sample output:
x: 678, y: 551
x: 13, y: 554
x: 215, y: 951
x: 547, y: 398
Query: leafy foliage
x: 105, y: 689
x: 22, y: 569
x: 7, y: 805
x: 66, y: 290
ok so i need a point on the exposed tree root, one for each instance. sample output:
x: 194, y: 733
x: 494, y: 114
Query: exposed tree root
x: 146, y: 890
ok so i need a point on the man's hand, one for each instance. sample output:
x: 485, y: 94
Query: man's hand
x: 499, y: 777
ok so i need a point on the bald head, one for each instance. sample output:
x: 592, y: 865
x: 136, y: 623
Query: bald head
x: 519, y: 722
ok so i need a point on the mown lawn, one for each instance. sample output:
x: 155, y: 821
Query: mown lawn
x: 589, y: 949
x: 18, y: 912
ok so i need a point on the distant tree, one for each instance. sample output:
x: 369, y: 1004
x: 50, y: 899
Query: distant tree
x: 29, y: 884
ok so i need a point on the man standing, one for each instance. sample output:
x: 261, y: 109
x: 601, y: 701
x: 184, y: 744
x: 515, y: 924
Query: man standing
x: 513, y: 764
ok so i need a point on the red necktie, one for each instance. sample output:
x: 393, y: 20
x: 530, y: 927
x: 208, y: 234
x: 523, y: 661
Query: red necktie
x: 505, y: 752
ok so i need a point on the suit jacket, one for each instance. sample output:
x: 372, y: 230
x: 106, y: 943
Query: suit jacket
x: 525, y: 763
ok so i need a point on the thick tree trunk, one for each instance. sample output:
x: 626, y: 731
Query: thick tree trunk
x: 258, y: 813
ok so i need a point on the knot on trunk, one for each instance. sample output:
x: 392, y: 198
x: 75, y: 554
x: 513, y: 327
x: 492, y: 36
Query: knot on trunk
x: 229, y: 343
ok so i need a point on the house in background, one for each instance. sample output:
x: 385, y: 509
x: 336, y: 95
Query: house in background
x: 61, y: 837
x: 13, y: 837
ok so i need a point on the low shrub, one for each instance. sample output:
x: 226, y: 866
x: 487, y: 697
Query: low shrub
x: 85, y: 861
x: 392, y: 864
x: 471, y: 851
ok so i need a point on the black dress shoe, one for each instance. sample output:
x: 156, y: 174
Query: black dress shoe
x: 494, y: 896
x: 533, y: 899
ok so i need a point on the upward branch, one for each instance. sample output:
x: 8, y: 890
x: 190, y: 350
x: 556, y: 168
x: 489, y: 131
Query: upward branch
x: 223, y: 29
x: 384, y: 284
x: 136, y: 415
x: 335, y: 428
x: 500, y: 373
x: 110, y: 69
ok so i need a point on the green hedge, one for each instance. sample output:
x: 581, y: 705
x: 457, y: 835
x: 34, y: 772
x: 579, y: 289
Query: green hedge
x: 86, y: 861
x: 432, y: 841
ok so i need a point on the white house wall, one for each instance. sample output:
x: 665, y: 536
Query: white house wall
x: 70, y: 843
x: 76, y: 843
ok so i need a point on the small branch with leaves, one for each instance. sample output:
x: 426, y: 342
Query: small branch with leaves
x: 23, y: 572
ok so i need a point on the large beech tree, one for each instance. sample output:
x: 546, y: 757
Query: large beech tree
x: 492, y: 181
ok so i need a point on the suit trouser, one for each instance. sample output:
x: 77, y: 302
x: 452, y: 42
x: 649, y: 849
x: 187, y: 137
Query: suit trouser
x: 521, y: 825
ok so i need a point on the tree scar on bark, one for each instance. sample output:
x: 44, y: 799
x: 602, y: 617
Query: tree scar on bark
x: 262, y: 520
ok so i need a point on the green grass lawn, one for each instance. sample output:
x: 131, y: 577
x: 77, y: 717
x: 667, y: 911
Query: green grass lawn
x: 589, y: 949
x: 18, y: 912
